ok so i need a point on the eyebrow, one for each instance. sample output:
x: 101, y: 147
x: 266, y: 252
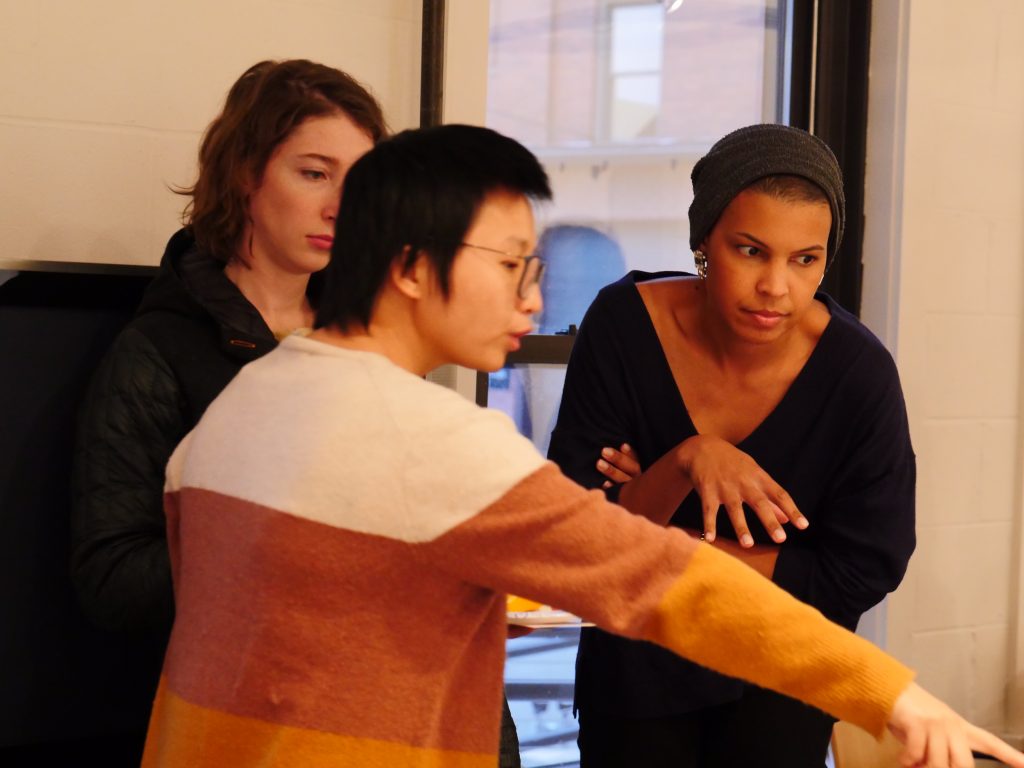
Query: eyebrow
x: 322, y: 158
x: 513, y: 243
x: 765, y: 245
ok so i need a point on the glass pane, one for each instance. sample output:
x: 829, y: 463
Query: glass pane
x: 635, y: 103
x: 538, y: 667
x: 529, y: 394
x: 540, y: 696
x: 619, y: 99
x: 636, y: 38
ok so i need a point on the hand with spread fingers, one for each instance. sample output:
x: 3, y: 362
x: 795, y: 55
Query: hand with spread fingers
x: 723, y: 476
x: 934, y: 736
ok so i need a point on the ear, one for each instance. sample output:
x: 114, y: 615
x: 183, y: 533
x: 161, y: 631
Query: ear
x: 413, y: 278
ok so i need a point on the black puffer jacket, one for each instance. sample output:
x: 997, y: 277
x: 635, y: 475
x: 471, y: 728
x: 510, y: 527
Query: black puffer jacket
x: 191, y: 334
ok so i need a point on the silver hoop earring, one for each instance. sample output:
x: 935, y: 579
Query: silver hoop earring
x: 702, y: 264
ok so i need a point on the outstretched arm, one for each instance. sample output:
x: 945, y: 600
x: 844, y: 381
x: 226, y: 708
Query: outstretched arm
x: 576, y: 551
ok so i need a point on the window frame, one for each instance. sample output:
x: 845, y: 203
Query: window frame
x: 830, y: 44
x: 603, y: 130
x: 828, y: 96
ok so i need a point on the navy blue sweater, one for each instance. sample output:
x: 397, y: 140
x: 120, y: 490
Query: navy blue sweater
x: 838, y: 442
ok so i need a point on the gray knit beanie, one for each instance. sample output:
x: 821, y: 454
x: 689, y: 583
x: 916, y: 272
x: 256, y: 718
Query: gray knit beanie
x: 742, y: 157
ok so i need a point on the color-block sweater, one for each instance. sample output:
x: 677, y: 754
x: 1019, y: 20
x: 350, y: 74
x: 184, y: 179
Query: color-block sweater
x: 343, y: 534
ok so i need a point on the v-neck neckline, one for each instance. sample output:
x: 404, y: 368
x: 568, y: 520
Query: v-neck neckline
x: 812, y: 363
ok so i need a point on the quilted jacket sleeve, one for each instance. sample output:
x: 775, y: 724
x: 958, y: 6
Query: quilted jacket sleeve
x: 131, y: 420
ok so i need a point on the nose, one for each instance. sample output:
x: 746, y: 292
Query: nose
x: 331, y: 205
x: 774, y: 278
x: 533, y: 302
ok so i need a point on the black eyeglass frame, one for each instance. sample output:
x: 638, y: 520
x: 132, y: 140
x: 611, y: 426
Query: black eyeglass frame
x: 521, y: 288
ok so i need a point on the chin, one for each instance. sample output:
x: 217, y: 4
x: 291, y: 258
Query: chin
x: 488, y: 363
x: 318, y: 264
x: 491, y: 365
x: 767, y: 336
x: 313, y: 262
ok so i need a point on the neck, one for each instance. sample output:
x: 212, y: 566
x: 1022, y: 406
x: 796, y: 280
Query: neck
x: 392, y: 332
x: 279, y: 297
x: 375, y: 340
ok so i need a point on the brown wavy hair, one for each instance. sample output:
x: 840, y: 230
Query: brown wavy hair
x: 269, y: 101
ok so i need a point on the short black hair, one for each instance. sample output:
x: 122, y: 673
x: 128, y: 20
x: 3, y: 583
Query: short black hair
x: 417, y: 192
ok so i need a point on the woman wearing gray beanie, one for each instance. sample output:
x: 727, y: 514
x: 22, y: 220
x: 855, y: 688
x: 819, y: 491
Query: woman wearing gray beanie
x: 740, y: 390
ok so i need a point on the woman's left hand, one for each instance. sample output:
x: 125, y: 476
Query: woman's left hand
x: 619, y: 465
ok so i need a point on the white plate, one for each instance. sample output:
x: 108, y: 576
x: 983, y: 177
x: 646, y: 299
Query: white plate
x: 546, y: 618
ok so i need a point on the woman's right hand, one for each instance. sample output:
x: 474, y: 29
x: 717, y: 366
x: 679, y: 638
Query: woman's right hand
x: 935, y: 736
x: 724, y: 475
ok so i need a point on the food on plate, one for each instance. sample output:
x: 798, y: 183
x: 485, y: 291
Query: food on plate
x: 522, y: 605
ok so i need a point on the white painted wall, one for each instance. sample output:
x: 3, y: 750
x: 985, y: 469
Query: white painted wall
x: 102, y: 104
x: 944, y: 287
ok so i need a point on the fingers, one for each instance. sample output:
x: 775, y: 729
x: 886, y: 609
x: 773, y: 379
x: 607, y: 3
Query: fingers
x: 937, y: 751
x: 934, y: 735
x: 959, y: 753
x: 788, y: 508
x: 631, y: 462
x: 723, y: 474
x: 710, y: 505
x: 983, y: 741
x: 619, y: 466
x: 914, y: 742
x: 613, y: 473
x: 770, y: 516
x: 734, y: 509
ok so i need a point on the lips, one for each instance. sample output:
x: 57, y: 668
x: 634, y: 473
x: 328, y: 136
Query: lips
x: 765, y: 318
x: 323, y: 242
x: 516, y: 340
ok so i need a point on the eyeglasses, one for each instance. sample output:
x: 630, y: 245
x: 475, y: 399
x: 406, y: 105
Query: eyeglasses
x: 533, y: 267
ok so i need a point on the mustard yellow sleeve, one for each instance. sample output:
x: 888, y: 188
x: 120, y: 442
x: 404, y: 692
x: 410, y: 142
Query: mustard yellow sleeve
x: 723, y: 615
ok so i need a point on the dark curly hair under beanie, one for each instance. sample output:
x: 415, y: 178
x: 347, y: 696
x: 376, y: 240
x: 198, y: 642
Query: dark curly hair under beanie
x: 742, y: 157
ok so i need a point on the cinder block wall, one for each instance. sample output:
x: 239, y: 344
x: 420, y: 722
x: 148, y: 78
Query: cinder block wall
x: 944, y: 285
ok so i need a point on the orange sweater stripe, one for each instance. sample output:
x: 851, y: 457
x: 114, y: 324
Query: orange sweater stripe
x: 185, y: 734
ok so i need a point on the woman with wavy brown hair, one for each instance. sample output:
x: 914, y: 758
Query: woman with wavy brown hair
x: 232, y: 283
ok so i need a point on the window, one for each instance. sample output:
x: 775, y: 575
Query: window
x: 619, y: 98
x: 633, y: 97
